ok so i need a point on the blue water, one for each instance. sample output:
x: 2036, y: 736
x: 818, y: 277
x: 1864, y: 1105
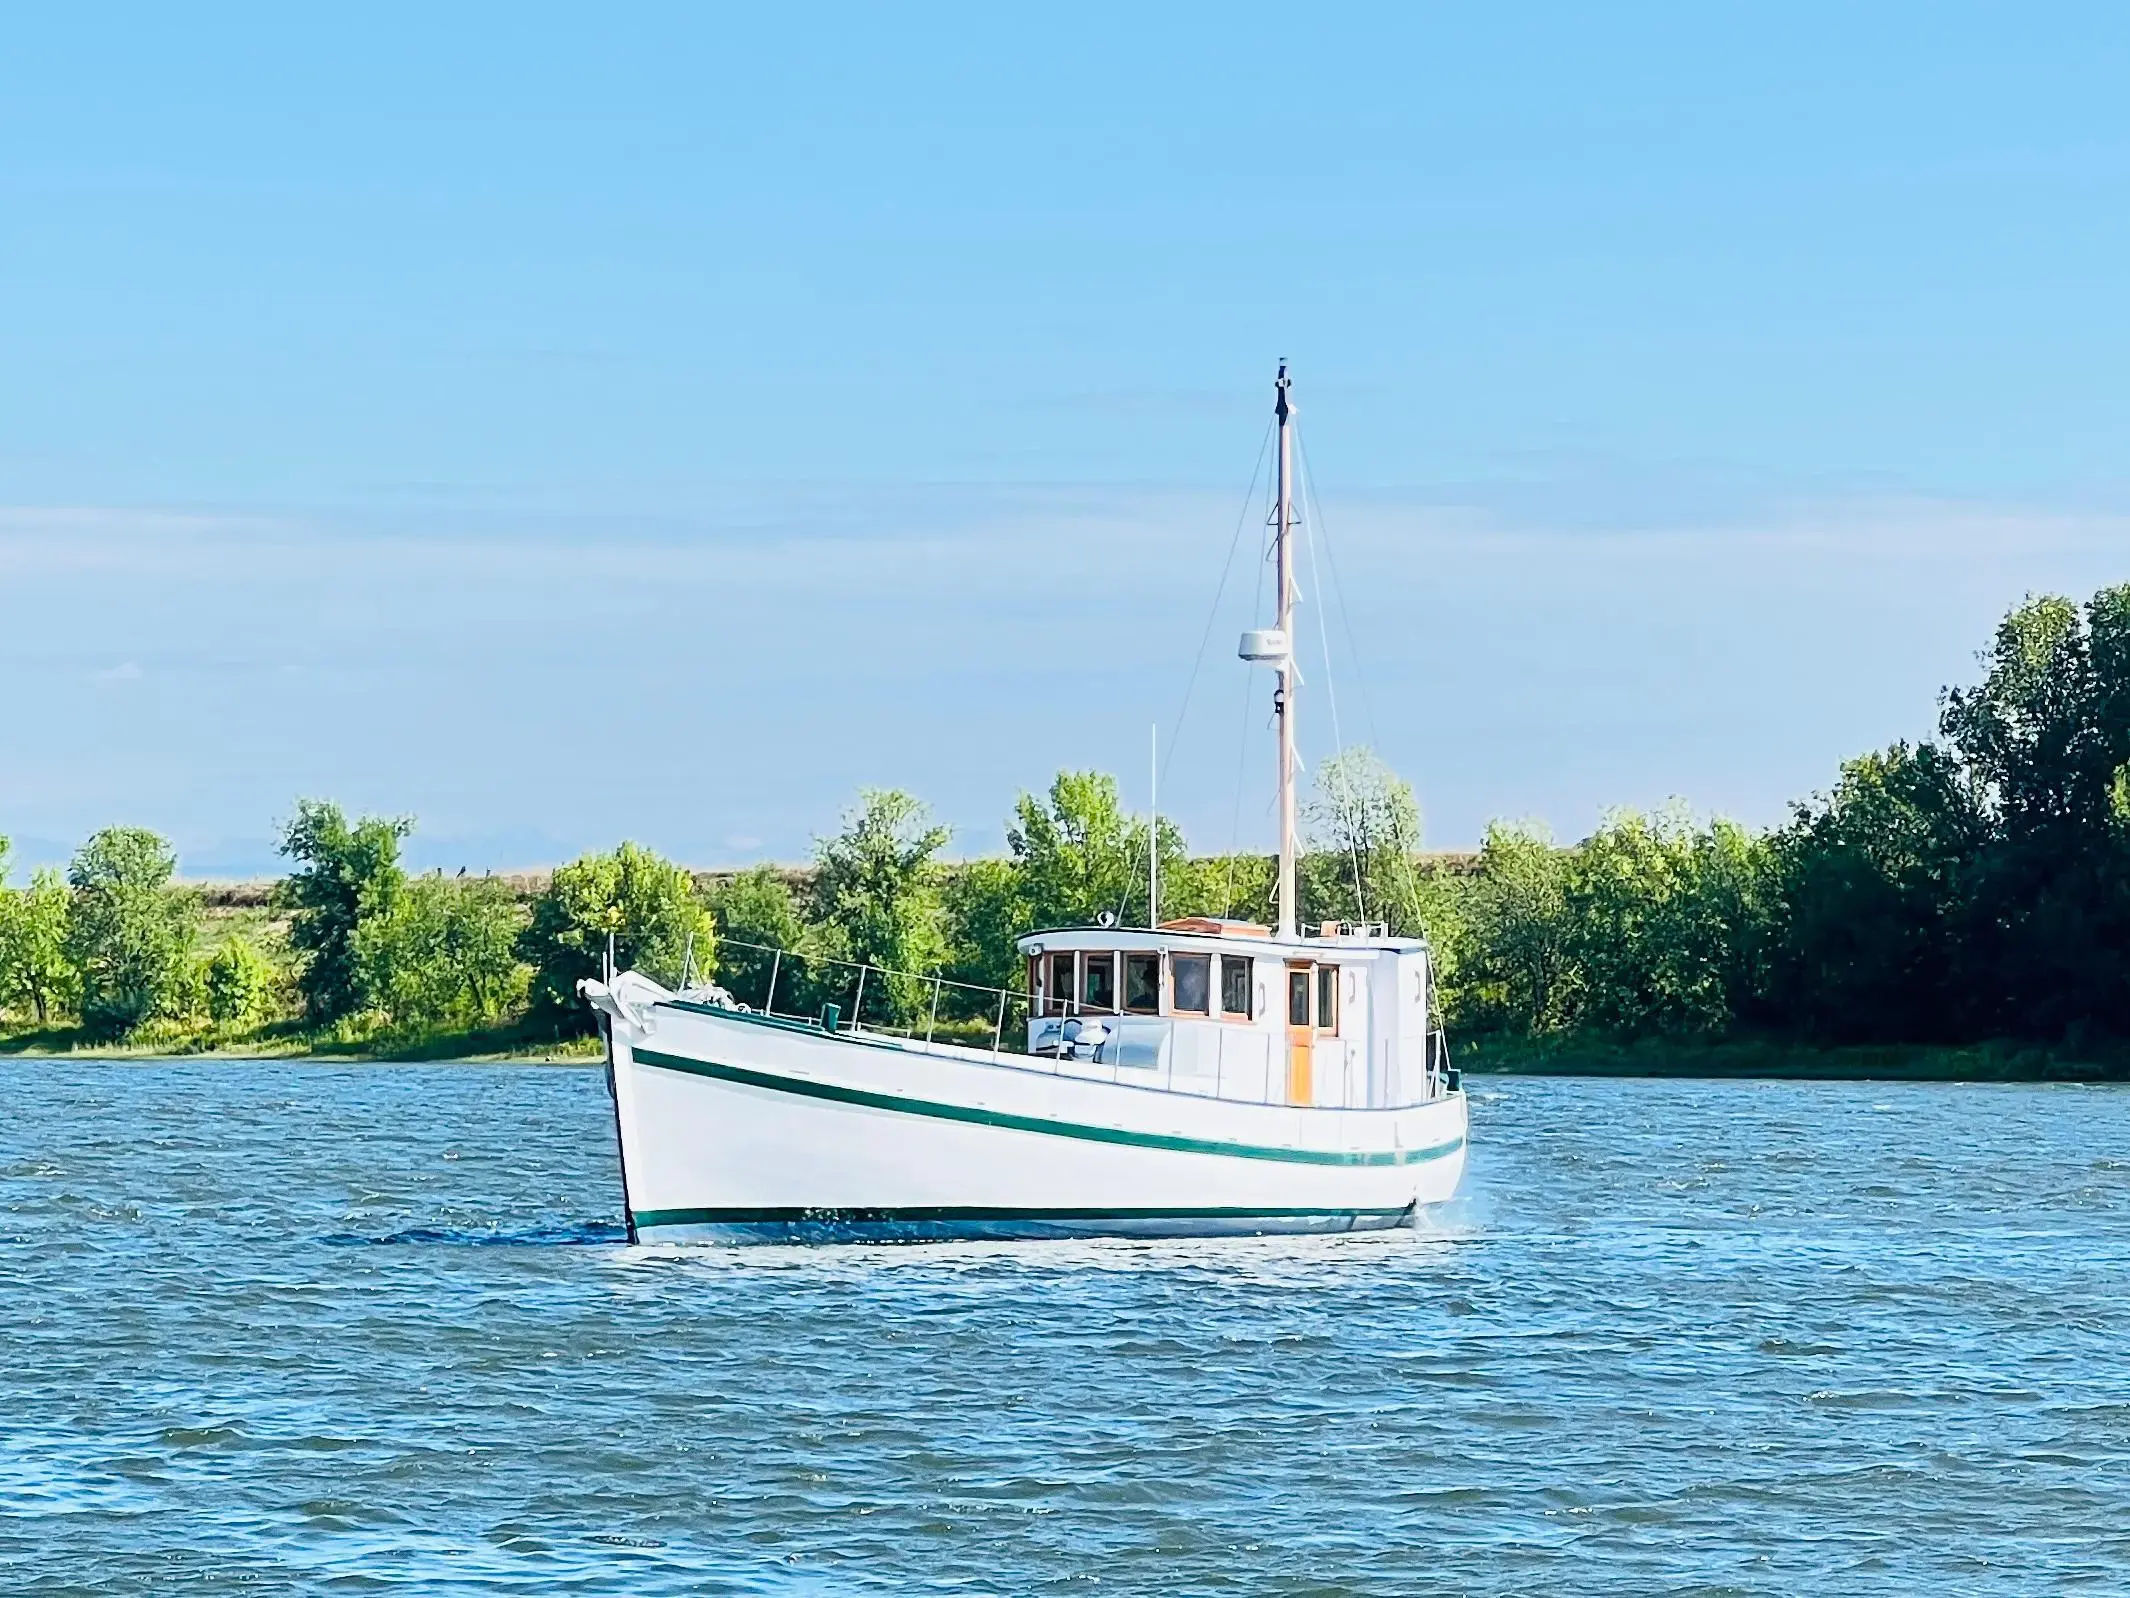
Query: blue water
x: 294, y: 1328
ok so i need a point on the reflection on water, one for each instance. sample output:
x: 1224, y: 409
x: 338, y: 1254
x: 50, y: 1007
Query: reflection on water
x: 288, y: 1326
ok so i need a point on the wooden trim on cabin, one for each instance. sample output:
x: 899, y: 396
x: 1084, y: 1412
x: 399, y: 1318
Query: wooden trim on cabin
x: 1213, y: 926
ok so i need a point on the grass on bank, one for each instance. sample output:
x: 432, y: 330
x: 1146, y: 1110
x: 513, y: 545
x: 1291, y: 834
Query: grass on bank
x: 292, y: 1040
x: 1762, y: 1060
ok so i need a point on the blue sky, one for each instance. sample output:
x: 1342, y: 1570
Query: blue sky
x: 565, y: 428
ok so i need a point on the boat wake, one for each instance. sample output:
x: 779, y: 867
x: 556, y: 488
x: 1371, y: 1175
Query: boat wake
x: 562, y: 1234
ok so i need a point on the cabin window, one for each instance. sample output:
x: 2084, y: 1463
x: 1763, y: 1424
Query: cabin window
x: 1327, y: 998
x: 1099, y: 989
x: 1235, y: 984
x: 1298, y: 996
x: 1193, y: 976
x: 1142, y: 983
x: 1060, y: 984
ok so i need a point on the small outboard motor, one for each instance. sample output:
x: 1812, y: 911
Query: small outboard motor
x: 1072, y: 1038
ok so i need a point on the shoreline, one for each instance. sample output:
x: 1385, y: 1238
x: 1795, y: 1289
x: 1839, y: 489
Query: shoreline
x: 487, y: 1046
x: 1738, y: 1061
x: 1760, y: 1061
x: 305, y: 1056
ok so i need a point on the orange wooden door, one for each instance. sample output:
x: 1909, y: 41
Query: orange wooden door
x: 1301, y: 1031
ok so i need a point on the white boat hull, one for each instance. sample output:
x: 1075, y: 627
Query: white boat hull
x: 734, y: 1128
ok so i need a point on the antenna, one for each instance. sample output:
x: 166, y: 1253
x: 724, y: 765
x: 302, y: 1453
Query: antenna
x: 1153, y: 825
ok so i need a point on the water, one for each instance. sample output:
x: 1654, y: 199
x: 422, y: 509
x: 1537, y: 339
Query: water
x: 297, y: 1327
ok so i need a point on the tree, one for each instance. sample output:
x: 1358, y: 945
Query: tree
x: 481, y: 933
x: 1873, y: 881
x: 761, y: 936
x: 876, y: 894
x: 1661, y: 918
x: 1079, y: 855
x: 1241, y: 887
x: 1518, y: 975
x: 1362, y: 827
x: 2045, y: 739
x: 986, y: 911
x: 2027, y: 732
x: 34, y: 969
x: 129, y: 932
x: 444, y: 949
x: 345, y: 875
x: 646, y: 903
x: 239, y: 983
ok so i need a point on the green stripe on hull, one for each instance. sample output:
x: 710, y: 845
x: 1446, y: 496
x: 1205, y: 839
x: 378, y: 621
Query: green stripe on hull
x: 868, y: 1099
x: 979, y: 1213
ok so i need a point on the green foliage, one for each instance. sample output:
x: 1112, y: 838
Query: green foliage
x: 35, y: 972
x: 1518, y: 974
x: 444, y: 950
x: 1078, y: 854
x: 876, y: 896
x: 239, y: 985
x: 1361, y: 824
x: 345, y: 874
x: 1238, y: 887
x: 2045, y: 742
x: 1661, y: 916
x: 129, y: 931
x: 1872, y: 880
x: 646, y: 903
x: 1942, y: 893
x: 761, y: 936
x: 986, y: 911
x: 1651, y: 927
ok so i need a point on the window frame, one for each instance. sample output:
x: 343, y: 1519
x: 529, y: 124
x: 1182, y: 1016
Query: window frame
x: 1176, y: 965
x: 1307, y: 973
x: 1061, y: 998
x: 1092, y: 960
x: 1124, y: 990
x: 1249, y: 983
x: 1328, y: 981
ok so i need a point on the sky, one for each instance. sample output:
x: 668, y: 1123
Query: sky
x: 562, y: 427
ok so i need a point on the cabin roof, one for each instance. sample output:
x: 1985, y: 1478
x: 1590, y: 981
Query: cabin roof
x: 1182, y: 935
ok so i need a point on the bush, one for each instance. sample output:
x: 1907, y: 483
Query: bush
x: 239, y: 984
x: 34, y: 970
x: 444, y: 949
x: 645, y: 903
x: 129, y: 932
x: 347, y: 875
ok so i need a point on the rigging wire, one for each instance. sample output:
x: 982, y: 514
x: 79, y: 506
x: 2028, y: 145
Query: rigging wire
x: 1331, y: 688
x: 1205, y: 637
x: 1242, y: 754
x: 1368, y: 711
x: 1213, y: 613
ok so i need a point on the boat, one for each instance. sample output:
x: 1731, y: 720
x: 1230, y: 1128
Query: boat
x: 1194, y: 1077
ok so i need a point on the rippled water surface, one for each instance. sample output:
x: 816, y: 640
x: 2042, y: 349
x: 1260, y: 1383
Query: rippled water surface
x: 292, y: 1327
